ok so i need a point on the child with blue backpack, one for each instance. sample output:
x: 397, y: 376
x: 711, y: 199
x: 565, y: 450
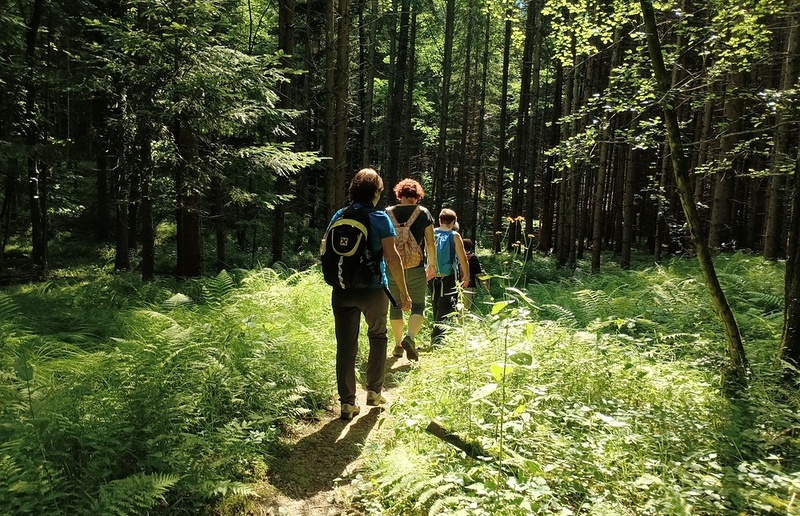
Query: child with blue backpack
x: 450, y: 254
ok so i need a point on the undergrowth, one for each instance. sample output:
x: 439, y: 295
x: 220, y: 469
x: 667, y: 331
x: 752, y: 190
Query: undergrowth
x: 597, y: 394
x: 585, y: 394
x: 118, y: 397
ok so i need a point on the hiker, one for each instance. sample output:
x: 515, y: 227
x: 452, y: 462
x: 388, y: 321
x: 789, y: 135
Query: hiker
x: 414, y: 226
x: 449, y: 251
x: 475, y: 273
x: 349, y: 304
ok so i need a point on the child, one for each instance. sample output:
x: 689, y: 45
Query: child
x: 449, y: 250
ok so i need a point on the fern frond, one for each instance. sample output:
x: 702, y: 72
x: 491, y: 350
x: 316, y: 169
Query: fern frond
x: 177, y: 300
x: 218, y: 289
x: 595, y: 303
x: 766, y: 302
x: 135, y: 494
x: 229, y: 488
x: 559, y: 314
x: 436, y: 490
x: 9, y: 311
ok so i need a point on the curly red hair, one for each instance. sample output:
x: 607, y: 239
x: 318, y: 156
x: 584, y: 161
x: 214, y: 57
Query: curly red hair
x: 409, y: 188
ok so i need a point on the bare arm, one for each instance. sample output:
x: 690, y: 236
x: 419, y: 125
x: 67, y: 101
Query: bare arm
x: 463, y: 263
x: 430, y: 250
x: 395, y: 265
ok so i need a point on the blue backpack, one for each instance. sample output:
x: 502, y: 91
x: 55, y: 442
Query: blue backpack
x: 445, y: 252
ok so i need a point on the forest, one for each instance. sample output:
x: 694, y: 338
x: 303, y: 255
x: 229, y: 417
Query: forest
x: 180, y: 141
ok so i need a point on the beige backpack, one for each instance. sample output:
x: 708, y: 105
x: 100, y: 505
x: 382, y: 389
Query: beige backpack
x: 406, y: 244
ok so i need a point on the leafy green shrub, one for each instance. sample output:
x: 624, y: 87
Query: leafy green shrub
x: 595, y: 395
x: 165, y: 401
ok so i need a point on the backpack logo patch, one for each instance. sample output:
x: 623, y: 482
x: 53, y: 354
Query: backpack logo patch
x: 407, y: 246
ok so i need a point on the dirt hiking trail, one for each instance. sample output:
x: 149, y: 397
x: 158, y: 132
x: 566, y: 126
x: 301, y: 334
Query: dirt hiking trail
x: 312, y: 475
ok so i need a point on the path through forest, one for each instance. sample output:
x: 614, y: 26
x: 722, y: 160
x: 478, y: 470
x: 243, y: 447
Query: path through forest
x: 312, y: 476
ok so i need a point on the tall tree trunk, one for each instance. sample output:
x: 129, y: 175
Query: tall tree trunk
x: 286, y: 45
x: 37, y: 172
x: 407, y: 141
x: 189, y: 226
x: 783, y: 130
x: 148, y: 229
x: 736, y: 374
x: 444, y: 108
x: 369, y: 83
x: 628, y: 208
x: 463, y: 151
x: 341, y: 90
x: 790, y: 338
x: 497, y: 220
x: 396, y: 98
x: 548, y: 186
x: 602, y: 170
x: 724, y: 186
x: 535, y: 132
x: 519, y: 162
x: 335, y: 177
x: 479, y: 173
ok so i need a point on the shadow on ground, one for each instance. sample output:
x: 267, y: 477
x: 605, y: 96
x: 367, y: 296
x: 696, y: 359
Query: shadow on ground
x: 314, y: 462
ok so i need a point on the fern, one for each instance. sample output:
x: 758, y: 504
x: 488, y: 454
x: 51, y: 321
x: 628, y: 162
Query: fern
x: 219, y: 289
x: 560, y: 315
x: 133, y: 495
x: 768, y: 303
x: 595, y: 303
x: 9, y: 311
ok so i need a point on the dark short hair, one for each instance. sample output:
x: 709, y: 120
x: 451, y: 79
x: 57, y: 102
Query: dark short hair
x: 409, y: 188
x: 365, y: 184
x: 447, y: 216
x: 467, y: 244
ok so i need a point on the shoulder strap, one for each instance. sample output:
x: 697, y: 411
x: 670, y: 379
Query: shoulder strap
x: 413, y: 216
x: 390, y: 212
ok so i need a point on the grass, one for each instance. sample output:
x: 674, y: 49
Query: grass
x: 588, y: 394
x: 599, y: 395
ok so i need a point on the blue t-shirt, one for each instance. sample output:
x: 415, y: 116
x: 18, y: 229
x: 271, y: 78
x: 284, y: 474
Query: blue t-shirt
x: 380, y: 227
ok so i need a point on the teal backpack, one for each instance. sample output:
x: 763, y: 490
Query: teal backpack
x: 445, y: 252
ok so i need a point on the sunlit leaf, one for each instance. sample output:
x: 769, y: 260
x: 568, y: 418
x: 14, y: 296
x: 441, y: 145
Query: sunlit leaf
x: 482, y: 392
x: 500, y: 370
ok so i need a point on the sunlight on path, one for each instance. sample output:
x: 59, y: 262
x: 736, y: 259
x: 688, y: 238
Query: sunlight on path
x: 311, y: 476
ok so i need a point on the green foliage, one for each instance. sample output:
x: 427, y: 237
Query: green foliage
x: 598, y: 394
x: 167, y: 401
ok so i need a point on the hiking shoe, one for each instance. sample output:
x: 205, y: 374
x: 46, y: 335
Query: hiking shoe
x: 398, y: 352
x: 375, y: 398
x: 408, y: 345
x: 349, y: 411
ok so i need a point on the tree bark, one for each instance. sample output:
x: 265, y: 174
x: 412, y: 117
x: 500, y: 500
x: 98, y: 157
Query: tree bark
x: 396, y: 98
x: 772, y: 231
x: 722, y: 218
x: 286, y: 45
x: 790, y: 338
x: 497, y: 220
x: 519, y: 161
x: 444, y: 114
x: 737, y: 367
x: 36, y: 171
x: 189, y: 226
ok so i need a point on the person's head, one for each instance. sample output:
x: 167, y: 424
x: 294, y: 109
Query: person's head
x: 409, y: 188
x: 447, y: 217
x: 467, y: 244
x: 366, y: 186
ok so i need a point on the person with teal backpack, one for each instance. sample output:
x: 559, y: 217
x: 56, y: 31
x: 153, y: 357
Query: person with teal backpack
x: 450, y: 254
